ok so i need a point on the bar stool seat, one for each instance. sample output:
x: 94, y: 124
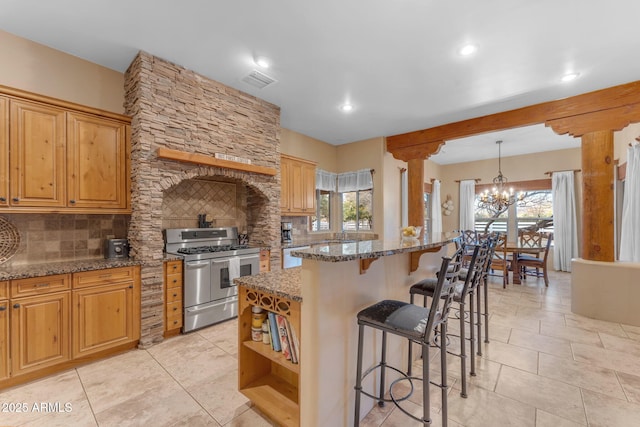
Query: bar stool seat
x: 419, y: 325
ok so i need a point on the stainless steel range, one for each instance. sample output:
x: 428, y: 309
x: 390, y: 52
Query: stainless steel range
x: 212, y: 259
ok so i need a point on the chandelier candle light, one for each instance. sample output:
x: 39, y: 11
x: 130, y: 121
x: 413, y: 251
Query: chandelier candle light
x: 499, y: 199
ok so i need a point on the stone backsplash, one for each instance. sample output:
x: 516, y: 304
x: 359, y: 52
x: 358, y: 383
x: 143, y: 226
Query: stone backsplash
x: 63, y: 237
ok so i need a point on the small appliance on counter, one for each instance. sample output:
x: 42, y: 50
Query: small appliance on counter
x: 116, y: 248
x: 286, y: 229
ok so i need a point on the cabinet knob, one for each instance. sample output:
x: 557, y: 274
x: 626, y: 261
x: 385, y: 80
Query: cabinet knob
x: 175, y: 280
x: 175, y: 295
x: 3, y: 199
x: 175, y: 308
x: 130, y: 286
x: 15, y: 199
x: 3, y: 308
x: 72, y: 201
x: 16, y: 305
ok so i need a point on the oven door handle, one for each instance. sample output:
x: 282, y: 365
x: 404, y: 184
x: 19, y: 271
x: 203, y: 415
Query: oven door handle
x: 242, y: 258
x: 196, y: 264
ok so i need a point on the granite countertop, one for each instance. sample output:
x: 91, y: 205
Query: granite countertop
x: 63, y: 267
x: 285, y: 283
x: 338, y: 252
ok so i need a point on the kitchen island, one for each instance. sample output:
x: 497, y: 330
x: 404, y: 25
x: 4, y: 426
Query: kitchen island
x: 337, y: 281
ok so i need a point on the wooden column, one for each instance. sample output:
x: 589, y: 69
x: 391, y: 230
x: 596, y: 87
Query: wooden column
x: 415, y: 172
x: 597, y: 193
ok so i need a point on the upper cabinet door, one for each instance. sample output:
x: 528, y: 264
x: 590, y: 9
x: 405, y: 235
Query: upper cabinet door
x: 4, y: 152
x: 37, y: 155
x: 97, y: 162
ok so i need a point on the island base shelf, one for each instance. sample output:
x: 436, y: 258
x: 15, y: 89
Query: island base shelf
x: 267, y: 394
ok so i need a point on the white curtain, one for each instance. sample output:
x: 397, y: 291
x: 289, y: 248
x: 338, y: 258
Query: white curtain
x: 436, y: 212
x: 325, y: 181
x: 630, y: 226
x: 467, y: 204
x: 565, y: 235
x: 355, y: 181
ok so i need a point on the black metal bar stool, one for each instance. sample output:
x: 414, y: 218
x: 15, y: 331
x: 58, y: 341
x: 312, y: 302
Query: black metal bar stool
x: 418, y: 324
x: 463, y: 290
x: 493, y: 239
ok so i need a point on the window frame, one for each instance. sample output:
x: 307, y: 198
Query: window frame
x: 357, y: 220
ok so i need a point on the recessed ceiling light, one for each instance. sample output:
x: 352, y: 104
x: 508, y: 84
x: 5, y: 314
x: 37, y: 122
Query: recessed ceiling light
x: 569, y: 77
x: 468, y: 49
x: 346, y: 108
x: 262, y: 62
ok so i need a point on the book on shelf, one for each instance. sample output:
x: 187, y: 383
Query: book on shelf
x: 292, y: 346
x: 275, y: 335
x: 284, y: 339
x: 293, y: 337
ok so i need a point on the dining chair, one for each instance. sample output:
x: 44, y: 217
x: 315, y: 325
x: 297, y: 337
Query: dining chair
x: 531, y: 265
x: 500, y: 260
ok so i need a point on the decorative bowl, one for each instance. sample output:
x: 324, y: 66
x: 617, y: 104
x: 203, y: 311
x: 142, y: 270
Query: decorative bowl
x: 410, y: 234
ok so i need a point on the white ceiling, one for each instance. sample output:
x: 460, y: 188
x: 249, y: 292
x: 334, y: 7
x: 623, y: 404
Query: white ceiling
x: 395, y: 61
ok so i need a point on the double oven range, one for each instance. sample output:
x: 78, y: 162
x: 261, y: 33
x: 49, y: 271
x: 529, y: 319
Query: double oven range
x: 212, y: 259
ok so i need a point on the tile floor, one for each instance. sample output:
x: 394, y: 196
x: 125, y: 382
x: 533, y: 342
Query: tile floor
x: 544, y: 367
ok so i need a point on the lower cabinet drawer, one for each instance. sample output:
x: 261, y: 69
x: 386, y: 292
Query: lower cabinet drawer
x: 174, y: 281
x: 174, y: 295
x: 174, y: 322
x: 174, y: 308
x: 107, y: 276
x: 40, y: 285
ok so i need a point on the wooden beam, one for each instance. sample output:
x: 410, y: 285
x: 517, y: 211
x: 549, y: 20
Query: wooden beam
x: 201, y: 159
x: 531, y: 185
x: 597, y: 196
x: 606, y: 99
x: 613, y: 119
x: 416, y: 193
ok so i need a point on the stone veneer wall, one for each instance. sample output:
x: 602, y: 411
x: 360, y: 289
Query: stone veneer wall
x: 176, y: 108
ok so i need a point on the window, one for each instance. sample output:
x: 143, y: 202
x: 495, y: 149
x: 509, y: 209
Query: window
x: 322, y: 218
x: 535, y: 210
x: 486, y: 222
x: 357, y: 210
x: 427, y: 212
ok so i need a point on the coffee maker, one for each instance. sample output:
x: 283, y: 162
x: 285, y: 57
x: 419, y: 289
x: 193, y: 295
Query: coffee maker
x: 286, y: 229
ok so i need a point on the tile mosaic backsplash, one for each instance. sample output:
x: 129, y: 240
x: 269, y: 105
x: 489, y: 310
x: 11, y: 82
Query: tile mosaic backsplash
x: 63, y: 237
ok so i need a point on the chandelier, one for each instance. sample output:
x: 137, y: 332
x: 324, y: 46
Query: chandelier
x: 499, y: 198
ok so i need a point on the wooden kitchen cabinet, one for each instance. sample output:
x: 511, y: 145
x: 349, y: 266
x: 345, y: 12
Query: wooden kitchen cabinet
x: 40, y: 324
x: 265, y: 261
x: 106, y: 313
x: 61, y: 157
x: 37, y: 155
x: 56, y: 322
x: 266, y: 377
x: 298, y: 186
x: 173, y: 297
x: 4, y: 151
x: 4, y: 330
x: 97, y: 162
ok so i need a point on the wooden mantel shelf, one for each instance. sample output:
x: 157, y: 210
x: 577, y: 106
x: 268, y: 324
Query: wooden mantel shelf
x: 201, y: 159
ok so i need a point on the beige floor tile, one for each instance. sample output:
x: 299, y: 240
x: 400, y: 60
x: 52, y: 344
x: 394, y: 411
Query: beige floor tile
x: 198, y: 419
x: 398, y: 419
x: 545, y: 419
x: 581, y: 375
x: 486, y: 376
x: 604, y: 411
x: 609, y: 359
x: 377, y: 415
x: 151, y: 409
x: 483, y: 408
x: 220, y: 397
x: 539, y: 314
x: 632, y: 332
x: 512, y: 355
x: 498, y: 332
x: 223, y: 335
x: 514, y: 321
x: 205, y: 360
x: 60, y: 388
x: 123, y: 377
x: 570, y: 333
x: 250, y: 418
x: 617, y: 343
x: 555, y: 307
x: 631, y: 386
x: 543, y: 343
x: 595, y: 325
x: 550, y: 395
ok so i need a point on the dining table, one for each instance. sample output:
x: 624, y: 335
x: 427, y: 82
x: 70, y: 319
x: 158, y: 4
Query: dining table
x: 517, y: 248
